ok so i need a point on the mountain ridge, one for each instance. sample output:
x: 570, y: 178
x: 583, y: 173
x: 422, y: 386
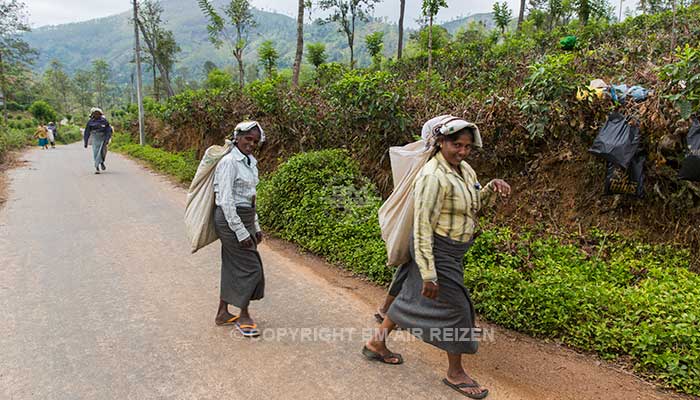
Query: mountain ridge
x: 67, y: 42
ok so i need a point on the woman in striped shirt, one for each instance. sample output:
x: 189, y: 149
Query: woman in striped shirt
x: 433, y: 303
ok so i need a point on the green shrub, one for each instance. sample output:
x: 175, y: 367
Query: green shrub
x: 42, y: 111
x: 640, y: 301
x: 12, y: 139
x: 218, y: 79
x: 68, y: 134
x: 181, y: 165
x: 320, y: 201
x: 265, y: 94
x: 683, y: 78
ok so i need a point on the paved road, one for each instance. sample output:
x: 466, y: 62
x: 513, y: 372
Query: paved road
x: 100, y: 299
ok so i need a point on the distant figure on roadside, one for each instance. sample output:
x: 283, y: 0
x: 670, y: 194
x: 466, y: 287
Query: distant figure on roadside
x: 101, y: 132
x: 52, y: 134
x: 236, y: 224
x: 42, y: 134
x: 433, y: 304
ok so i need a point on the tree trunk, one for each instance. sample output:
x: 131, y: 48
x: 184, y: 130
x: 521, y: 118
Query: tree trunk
x: 2, y: 90
x: 401, y: 15
x: 300, y: 44
x: 241, y: 79
x: 521, y: 14
x: 673, y: 27
x: 155, y: 80
x: 152, y: 50
x: 351, y: 41
x: 238, y: 53
x: 430, y: 47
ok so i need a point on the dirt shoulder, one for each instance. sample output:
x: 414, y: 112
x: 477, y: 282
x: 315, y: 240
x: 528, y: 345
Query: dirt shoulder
x: 536, y: 368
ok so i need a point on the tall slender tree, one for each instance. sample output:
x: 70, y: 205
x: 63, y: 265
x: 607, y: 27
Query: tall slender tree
x: 502, y: 15
x: 300, y: 41
x: 521, y: 14
x: 83, y: 90
x: 267, y: 57
x: 430, y: 9
x: 316, y: 54
x: 160, y: 43
x: 346, y: 13
x: 402, y: 12
x: 241, y: 19
x: 15, y: 53
x: 59, y: 86
x: 100, y: 79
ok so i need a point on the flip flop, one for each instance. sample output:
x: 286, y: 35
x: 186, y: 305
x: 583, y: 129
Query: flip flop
x: 459, y: 386
x: 378, y: 317
x: 374, y: 356
x: 229, y: 321
x: 248, y: 330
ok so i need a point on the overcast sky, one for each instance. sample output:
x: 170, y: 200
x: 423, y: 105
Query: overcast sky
x: 54, y: 12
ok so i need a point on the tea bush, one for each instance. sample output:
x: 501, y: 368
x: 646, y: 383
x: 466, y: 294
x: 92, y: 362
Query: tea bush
x: 13, y: 139
x: 182, y: 165
x: 320, y: 201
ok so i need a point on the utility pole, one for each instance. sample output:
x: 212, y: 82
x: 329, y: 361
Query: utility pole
x: 139, y: 95
x: 619, y: 18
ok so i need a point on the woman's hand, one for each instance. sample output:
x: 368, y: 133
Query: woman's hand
x: 248, y: 243
x: 430, y: 290
x: 259, y: 237
x: 502, y: 187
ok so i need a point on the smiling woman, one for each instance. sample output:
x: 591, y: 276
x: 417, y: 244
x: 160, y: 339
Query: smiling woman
x: 236, y: 224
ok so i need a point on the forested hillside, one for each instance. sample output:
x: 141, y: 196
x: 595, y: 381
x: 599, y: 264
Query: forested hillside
x: 76, y: 45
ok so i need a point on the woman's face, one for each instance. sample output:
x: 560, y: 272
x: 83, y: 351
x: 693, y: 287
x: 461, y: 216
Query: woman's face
x: 248, y: 142
x: 96, y: 115
x: 457, y: 150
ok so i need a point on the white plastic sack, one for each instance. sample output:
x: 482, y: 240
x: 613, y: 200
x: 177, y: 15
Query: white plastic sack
x: 199, y: 211
x: 396, y: 214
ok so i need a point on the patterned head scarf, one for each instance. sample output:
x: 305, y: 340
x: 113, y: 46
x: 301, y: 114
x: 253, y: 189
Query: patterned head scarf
x: 245, y: 126
x: 445, y: 125
x: 93, y: 109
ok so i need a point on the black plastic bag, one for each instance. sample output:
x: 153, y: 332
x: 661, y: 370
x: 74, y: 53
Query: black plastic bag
x: 690, y: 168
x: 626, y: 181
x: 618, y: 141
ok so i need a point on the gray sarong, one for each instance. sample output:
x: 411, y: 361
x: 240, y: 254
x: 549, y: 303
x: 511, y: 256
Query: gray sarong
x: 448, y: 321
x: 398, y: 279
x: 242, y: 277
x: 99, y: 148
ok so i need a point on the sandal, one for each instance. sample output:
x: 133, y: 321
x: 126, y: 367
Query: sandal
x: 459, y: 386
x: 229, y: 321
x: 386, y: 359
x: 248, y: 330
x: 378, y: 317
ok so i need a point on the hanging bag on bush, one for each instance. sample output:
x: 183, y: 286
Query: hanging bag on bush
x: 619, y: 143
x: 199, y: 211
x: 690, y: 168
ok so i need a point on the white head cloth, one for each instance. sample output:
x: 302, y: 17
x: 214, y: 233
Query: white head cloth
x: 93, y: 109
x: 447, y: 125
x: 245, y: 126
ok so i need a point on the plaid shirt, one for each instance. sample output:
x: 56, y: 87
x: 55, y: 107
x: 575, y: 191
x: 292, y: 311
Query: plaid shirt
x: 446, y: 204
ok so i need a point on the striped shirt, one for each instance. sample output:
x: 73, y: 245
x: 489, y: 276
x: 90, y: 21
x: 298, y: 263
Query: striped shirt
x: 234, y: 186
x: 446, y: 204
